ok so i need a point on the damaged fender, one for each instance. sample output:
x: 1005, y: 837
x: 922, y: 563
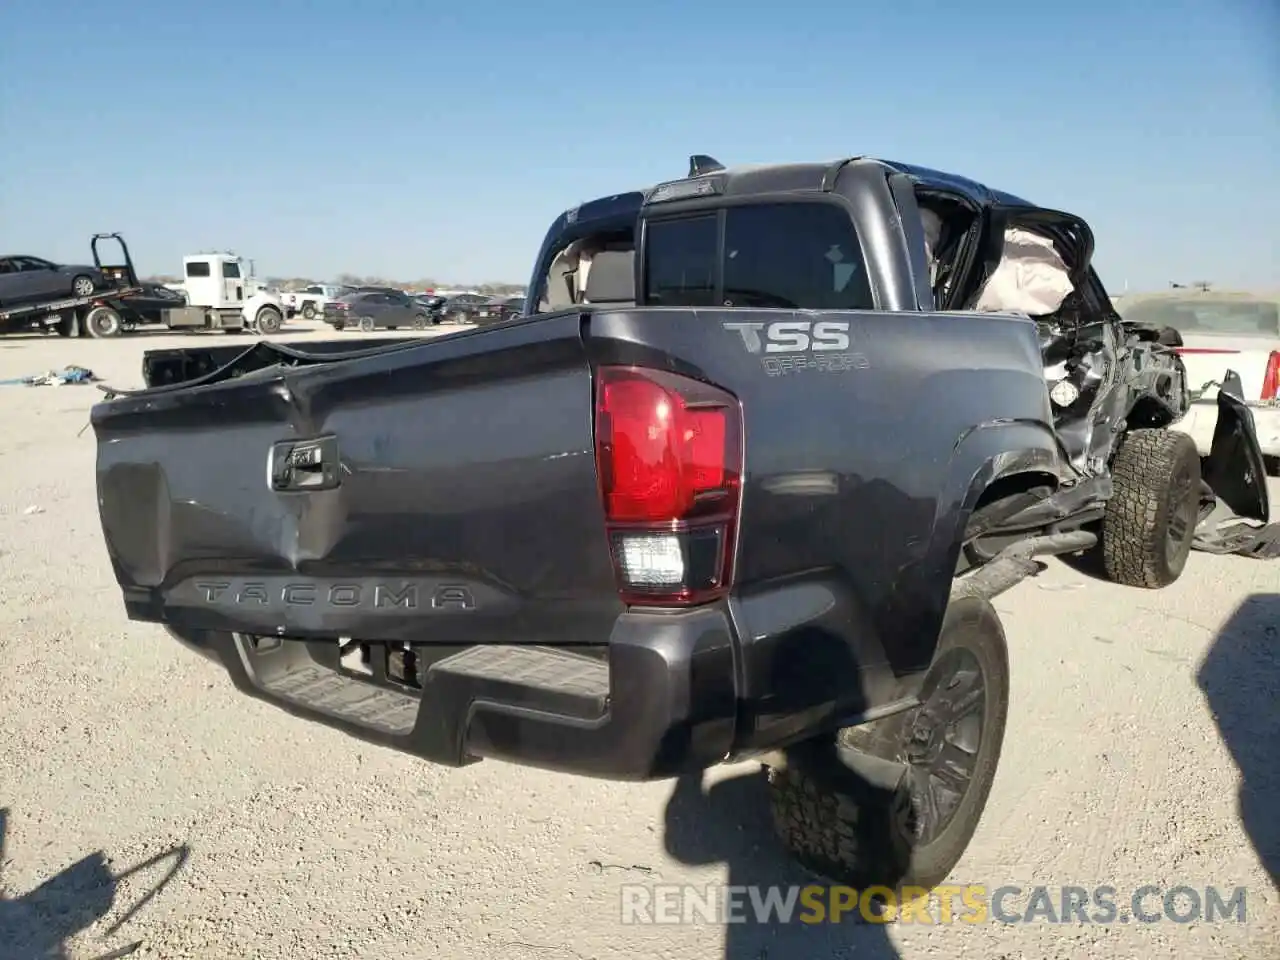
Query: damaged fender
x: 1234, y: 483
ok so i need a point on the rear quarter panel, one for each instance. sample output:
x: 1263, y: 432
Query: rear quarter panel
x: 862, y: 465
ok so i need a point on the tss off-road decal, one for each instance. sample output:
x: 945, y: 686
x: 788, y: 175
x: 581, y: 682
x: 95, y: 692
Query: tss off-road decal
x: 785, y: 346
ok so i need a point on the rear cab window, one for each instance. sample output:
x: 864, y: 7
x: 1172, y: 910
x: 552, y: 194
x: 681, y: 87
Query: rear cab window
x: 790, y: 255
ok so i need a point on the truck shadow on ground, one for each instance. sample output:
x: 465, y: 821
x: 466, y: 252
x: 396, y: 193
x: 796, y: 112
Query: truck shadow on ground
x: 729, y: 822
x: 1240, y: 680
x: 39, y: 925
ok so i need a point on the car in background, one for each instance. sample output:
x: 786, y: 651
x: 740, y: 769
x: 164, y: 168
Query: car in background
x: 499, y: 309
x: 461, y: 307
x: 150, y: 303
x: 1213, y: 330
x: 434, y: 304
x: 27, y: 279
x: 369, y: 310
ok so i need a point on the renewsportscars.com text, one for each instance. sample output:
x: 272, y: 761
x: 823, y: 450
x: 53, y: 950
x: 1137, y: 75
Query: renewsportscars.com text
x: 972, y: 904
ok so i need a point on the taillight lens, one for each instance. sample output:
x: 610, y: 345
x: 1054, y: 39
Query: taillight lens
x: 1271, y: 380
x: 669, y: 456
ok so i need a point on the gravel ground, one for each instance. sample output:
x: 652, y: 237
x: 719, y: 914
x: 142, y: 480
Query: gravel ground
x: 1142, y: 749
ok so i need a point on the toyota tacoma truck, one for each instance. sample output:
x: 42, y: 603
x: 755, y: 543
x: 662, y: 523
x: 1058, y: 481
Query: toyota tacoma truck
x: 740, y: 483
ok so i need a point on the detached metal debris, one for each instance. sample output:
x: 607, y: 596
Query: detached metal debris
x: 55, y: 378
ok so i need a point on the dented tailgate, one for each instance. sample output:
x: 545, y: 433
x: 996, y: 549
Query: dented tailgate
x: 409, y: 496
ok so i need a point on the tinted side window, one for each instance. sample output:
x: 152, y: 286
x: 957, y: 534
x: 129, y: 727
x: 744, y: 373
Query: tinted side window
x: 680, y: 262
x: 198, y: 268
x: 794, y: 255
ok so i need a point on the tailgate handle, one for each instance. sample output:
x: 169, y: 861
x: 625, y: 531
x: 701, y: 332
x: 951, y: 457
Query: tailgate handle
x: 304, y: 465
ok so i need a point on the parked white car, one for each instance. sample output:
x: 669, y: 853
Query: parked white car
x: 1218, y: 330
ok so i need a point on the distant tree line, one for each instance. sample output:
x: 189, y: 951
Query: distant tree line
x: 424, y: 283
x: 352, y: 280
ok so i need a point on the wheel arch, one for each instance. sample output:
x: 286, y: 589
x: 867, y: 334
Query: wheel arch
x: 992, y: 460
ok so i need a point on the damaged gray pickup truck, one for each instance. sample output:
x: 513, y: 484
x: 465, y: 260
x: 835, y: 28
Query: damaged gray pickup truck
x: 742, y: 483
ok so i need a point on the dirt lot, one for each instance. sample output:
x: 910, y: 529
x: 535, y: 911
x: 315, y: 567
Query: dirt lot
x: 1140, y: 723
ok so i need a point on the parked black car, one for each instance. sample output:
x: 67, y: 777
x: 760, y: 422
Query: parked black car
x: 434, y: 304
x: 382, y: 310
x: 462, y: 308
x: 149, y: 303
x: 499, y: 309
x: 26, y: 279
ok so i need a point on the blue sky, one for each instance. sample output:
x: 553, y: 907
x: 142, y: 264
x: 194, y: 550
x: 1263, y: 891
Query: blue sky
x: 412, y: 140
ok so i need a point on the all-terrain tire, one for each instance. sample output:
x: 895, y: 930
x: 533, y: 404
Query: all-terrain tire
x: 842, y: 828
x: 1151, y: 517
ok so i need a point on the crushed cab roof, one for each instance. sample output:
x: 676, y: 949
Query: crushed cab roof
x: 781, y: 177
x: 747, y: 179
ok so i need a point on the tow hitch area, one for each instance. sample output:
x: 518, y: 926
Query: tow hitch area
x: 1235, y: 508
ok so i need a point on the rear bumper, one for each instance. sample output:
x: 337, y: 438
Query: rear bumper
x: 1203, y: 417
x: 659, y: 701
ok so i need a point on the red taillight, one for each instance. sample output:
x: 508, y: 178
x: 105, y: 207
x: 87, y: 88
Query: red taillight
x: 669, y: 456
x: 1271, y: 380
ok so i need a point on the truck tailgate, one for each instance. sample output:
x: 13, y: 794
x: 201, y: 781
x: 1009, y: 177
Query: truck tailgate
x: 442, y: 492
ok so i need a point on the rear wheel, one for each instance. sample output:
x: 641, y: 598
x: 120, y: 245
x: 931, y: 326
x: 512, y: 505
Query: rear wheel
x: 458, y: 316
x: 837, y: 824
x: 82, y: 286
x: 308, y: 311
x: 268, y: 320
x: 366, y: 324
x: 339, y: 326
x: 1150, y: 520
x: 102, y: 322
x: 419, y: 322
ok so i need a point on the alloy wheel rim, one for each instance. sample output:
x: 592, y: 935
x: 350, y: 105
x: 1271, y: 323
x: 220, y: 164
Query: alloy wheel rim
x: 940, y: 746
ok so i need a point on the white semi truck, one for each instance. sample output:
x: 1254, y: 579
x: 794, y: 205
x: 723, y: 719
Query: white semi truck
x: 217, y: 293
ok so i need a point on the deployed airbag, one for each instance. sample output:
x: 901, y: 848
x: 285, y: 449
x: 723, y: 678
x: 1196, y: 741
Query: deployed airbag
x: 1031, y: 279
